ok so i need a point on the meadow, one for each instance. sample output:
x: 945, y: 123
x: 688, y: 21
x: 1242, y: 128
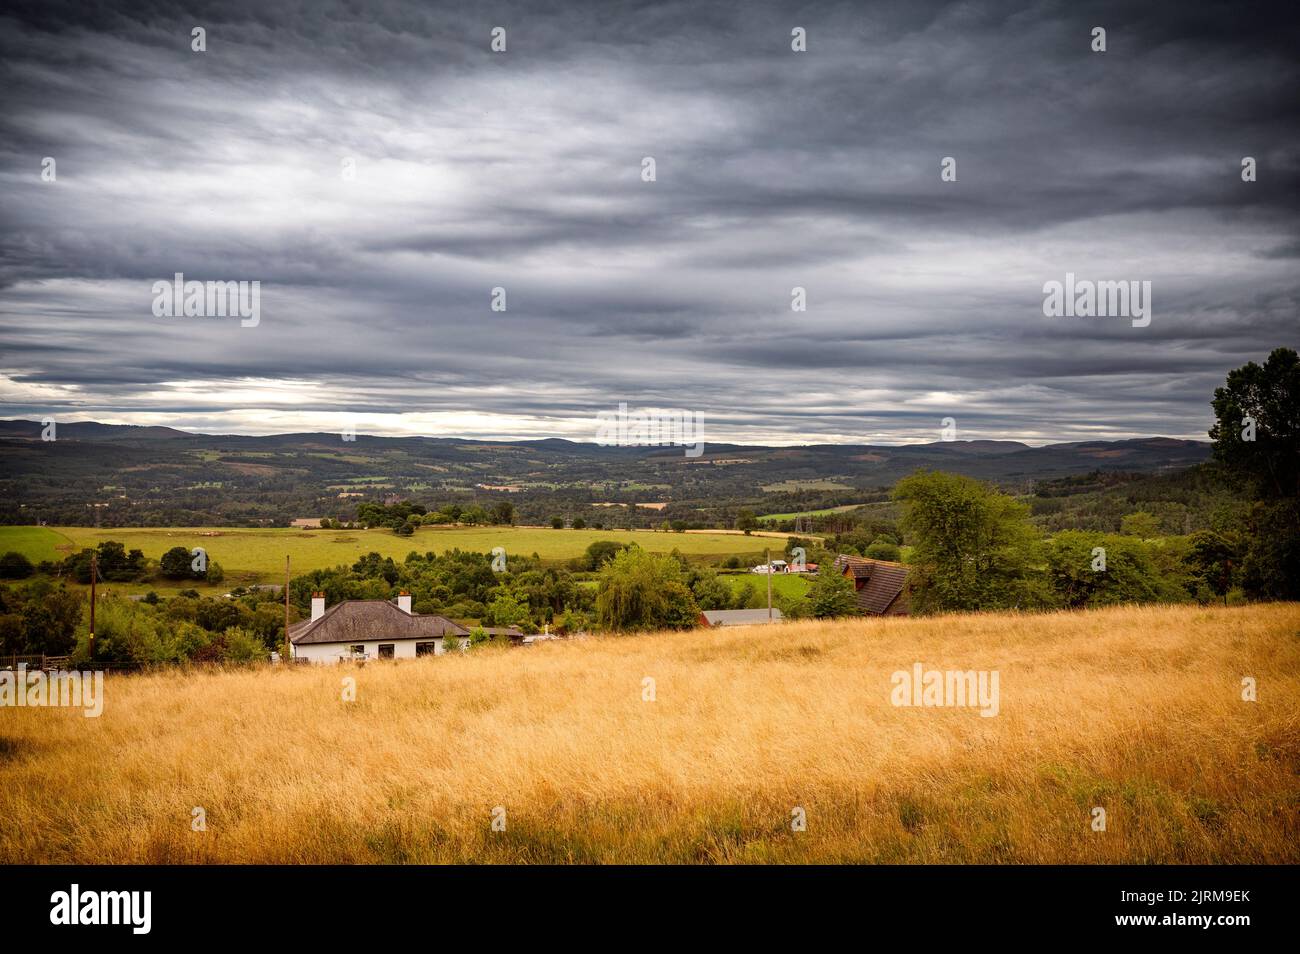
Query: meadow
x: 257, y: 555
x: 783, y: 584
x: 845, y: 508
x: 1135, y: 710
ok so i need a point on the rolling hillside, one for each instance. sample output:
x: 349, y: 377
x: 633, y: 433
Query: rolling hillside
x: 1138, y: 711
x: 134, y: 476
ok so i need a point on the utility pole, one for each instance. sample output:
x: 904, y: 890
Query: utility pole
x: 93, y: 568
x: 287, y: 648
x: 769, y: 584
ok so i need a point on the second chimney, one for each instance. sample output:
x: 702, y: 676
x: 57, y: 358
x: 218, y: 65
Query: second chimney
x: 317, y: 605
x: 404, y: 602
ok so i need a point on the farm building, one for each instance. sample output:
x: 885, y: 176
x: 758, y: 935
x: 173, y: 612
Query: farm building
x: 373, y: 629
x: 879, y: 586
x: 739, y: 617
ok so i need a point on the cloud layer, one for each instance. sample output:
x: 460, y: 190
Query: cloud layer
x: 522, y: 170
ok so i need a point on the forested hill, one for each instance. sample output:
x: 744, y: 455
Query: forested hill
x: 128, y: 475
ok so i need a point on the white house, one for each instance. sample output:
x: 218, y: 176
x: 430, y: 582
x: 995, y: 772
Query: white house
x: 371, y: 629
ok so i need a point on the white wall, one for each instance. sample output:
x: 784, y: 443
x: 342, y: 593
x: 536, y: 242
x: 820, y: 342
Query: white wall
x: 331, y: 652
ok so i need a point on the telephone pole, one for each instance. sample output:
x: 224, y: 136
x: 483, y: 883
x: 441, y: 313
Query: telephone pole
x: 94, y: 566
x: 287, y: 648
x: 769, y: 584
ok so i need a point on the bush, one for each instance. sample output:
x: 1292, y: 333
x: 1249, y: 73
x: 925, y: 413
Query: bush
x: 243, y: 646
x: 831, y: 595
x: 881, y: 550
x: 600, y: 553
x: 15, y: 566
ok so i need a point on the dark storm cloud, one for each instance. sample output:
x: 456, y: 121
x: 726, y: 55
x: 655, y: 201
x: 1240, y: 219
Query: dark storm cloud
x: 522, y: 170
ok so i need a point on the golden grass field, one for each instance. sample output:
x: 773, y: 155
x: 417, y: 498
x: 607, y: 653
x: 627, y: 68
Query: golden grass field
x: 1137, y: 710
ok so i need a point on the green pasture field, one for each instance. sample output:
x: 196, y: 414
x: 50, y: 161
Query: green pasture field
x: 35, y: 543
x: 810, y: 513
x: 794, y: 486
x: 257, y: 555
x: 783, y: 584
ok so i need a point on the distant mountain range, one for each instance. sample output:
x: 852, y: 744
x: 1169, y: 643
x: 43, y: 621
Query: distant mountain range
x: 160, y: 474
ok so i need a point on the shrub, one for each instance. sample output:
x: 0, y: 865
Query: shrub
x: 15, y: 566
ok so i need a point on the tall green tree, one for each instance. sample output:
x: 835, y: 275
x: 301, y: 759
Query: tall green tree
x: 15, y: 566
x: 1103, y: 569
x: 1267, y: 396
x: 175, y: 564
x: 1271, y: 566
x: 640, y: 590
x: 1216, y: 560
x: 508, y: 609
x: 973, y: 547
x: 1256, y: 438
x: 601, y: 552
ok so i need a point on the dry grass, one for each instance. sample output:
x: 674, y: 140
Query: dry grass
x: 1135, y: 710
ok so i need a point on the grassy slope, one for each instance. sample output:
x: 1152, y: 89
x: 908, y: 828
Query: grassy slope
x: 257, y: 555
x: 1134, y: 710
x: 35, y: 543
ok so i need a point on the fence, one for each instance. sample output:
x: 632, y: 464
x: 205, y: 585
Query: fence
x: 48, y: 663
x: 13, y: 661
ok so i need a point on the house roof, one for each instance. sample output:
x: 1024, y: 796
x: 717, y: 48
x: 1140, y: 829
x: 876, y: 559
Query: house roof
x: 357, y: 621
x: 878, y: 583
x: 740, y: 617
x: 883, y: 587
x: 848, y: 559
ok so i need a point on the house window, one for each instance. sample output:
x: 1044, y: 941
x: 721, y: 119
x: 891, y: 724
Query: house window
x: 357, y: 652
x: 386, y: 650
x: 426, y: 649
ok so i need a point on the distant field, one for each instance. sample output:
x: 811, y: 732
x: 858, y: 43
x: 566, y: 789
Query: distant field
x: 257, y: 556
x: 1134, y: 710
x: 794, y: 486
x: 809, y: 513
x: 783, y: 584
x: 35, y: 543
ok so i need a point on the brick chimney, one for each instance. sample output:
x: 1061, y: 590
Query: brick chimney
x: 317, y: 605
x: 404, y: 602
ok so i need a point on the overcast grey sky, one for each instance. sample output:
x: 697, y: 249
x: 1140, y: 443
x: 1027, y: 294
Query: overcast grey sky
x: 522, y: 169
